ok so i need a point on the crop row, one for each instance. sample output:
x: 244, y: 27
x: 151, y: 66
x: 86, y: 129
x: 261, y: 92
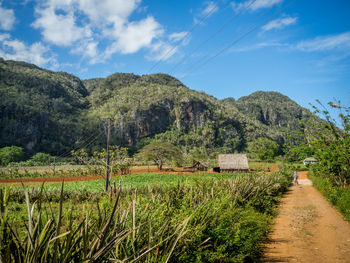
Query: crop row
x: 208, y: 221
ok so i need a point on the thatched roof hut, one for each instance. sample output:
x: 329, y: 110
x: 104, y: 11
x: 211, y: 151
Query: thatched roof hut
x: 233, y: 162
x: 200, y: 166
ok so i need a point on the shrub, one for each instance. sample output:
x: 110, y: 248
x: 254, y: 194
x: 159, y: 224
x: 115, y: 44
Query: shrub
x: 11, y: 154
x: 336, y: 195
x: 263, y: 148
x: 40, y: 159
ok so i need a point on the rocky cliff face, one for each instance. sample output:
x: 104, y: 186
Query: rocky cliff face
x: 144, y: 123
x: 53, y: 112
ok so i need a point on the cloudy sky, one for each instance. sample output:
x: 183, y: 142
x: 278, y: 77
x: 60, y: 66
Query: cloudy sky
x: 225, y: 48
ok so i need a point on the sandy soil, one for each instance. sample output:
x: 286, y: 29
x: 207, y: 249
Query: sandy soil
x: 308, y: 228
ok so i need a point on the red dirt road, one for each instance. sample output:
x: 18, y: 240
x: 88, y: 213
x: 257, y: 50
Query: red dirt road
x: 308, y: 228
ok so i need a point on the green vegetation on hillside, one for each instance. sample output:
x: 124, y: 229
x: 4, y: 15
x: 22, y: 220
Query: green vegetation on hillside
x: 39, y: 109
x: 55, y: 112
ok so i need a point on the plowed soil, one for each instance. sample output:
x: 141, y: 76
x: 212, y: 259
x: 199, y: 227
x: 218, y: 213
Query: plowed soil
x: 308, y: 228
x: 85, y: 178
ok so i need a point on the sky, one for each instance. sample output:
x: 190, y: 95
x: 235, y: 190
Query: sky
x: 224, y: 48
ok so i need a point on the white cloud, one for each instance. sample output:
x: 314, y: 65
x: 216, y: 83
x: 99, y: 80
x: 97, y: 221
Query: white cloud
x: 4, y: 37
x: 36, y: 53
x: 179, y: 36
x: 59, y: 29
x: 280, y: 23
x: 89, y: 50
x: 7, y: 18
x: 258, y: 46
x: 135, y: 35
x: 161, y: 51
x: 210, y: 9
x: 326, y: 43
x: 108, y: 11
x: 87, y: 25
x: 253, y: 6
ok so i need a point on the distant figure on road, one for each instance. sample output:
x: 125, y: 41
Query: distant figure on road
x: 296, y: 176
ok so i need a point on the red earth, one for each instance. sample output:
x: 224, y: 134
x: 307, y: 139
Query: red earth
x: 84, y: 178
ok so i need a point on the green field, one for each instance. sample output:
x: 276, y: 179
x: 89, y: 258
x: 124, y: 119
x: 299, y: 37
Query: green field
x: 157, y: 218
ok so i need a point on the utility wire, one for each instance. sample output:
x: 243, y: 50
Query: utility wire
x: 185, y: 36
x: 86, y: 143
x: 213, y: 35
x: 239, y: 39
x: 233, y: 36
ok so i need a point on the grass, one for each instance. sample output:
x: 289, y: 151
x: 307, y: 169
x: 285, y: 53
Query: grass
x: 336, y: 195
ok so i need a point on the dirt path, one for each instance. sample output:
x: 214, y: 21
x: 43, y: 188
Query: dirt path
x: 308, y: 229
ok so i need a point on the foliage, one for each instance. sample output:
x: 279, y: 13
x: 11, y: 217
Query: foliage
x: 332, y: 147
x: 11, y: 154
x: 263, y: 148
x: 55, y: 112
x: 337, y: 196
x: 88, y: 239
x: 118, y: 157
x: 42, y: 108
x: 210, y: 221
x: 159, y: 153
x: 298, y: 152
x: 274, y: 109
x: 40, y: 159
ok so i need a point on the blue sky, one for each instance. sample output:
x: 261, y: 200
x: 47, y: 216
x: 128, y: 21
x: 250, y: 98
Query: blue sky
x: 299, y: 48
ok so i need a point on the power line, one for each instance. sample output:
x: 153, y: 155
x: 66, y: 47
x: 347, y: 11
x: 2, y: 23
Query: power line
x: 239, y: 39
x: 87, y: 142
x: 233, y: 36
x: 185, y: 36
x: 213, y: 35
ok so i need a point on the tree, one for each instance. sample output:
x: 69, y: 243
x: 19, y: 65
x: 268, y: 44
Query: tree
x: 263, y: 148
x: 118, y: 159
x: 41, y: 159
x: 117, y: 155
x: 331, y: 145
x: 298, y: 152
x: 159, y: 152
x: 11, y: 154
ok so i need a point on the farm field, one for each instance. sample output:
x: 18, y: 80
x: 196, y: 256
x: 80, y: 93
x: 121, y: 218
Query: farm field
x: 13, y: 174
x: 154, y: 217
x: 60, y: 171
x: 73, y: 173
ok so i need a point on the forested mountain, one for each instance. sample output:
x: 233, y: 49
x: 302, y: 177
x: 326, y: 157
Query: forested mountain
x: 39, y: 108
x: 48, y: 111
x: 273, y: 109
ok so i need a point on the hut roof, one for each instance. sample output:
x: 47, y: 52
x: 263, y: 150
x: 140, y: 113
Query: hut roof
x: 233, y: 162
x: 199, y: 164
x: 310, y: 159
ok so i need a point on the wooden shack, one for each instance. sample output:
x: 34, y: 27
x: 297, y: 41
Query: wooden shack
x: 233, y: 163
x: 197, y: 166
